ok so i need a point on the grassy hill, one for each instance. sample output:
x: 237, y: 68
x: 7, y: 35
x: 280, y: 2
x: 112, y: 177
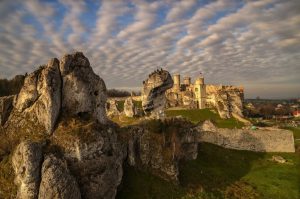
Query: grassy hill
x: 200, y: 115
x: 221, y: 173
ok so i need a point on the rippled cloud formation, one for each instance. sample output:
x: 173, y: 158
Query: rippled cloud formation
x: 250, y: 43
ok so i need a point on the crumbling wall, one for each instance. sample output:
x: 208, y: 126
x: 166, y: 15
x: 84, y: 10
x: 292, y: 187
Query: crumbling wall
x: 260, y: 140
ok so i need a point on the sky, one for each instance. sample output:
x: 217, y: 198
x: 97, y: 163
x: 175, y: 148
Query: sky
x: 255, y: 44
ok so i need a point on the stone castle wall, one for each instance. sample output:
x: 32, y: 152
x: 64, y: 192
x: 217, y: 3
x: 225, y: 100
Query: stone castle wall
x: 228, y: 100
x: 260, y: 140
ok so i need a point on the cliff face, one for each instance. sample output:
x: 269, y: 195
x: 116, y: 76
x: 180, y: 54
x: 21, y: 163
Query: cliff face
x: 153, y: 94
x: 158, y: 146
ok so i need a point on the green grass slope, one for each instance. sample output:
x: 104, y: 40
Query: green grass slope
x: 221, y: 173
x: 200, y: 115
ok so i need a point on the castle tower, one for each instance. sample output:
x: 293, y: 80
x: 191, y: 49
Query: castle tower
x: 187, y: 81
x: 176, y: 79
x: 200, y: 92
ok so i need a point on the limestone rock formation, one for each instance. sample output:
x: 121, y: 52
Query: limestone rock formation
x: 236, y: 101
x: 111, y: 108
x: 56, y: 180
x: 161, y: 151
x: 69, y: 86
x: 83, y: 91
x: 228, y: 100
x: 26, y: 161
x: 95, y: 155
x: 6, y: 105
x: 222, y: 104
x: 129, y: 108
x: 153, y: 94
x: 40, y: 96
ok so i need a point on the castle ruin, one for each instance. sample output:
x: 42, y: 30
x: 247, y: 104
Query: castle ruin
x: 228, y: 100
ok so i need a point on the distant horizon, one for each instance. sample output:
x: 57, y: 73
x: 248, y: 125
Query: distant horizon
x: 247, y: 96
x: 251, y: 43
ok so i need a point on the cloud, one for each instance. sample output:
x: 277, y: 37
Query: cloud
x: 179, y: 9
x: 250, y: 43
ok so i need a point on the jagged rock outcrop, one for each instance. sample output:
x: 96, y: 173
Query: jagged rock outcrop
x: 236, y: 102
x: 222, y: 104
x: 6, y: 105
x: 112, y: 109
x: 83, y: 91
x: 95, y: 155
x: 228, y: 100
x: 56, y: 180
x: 129, y: 108
x: 153, y: 94
x: 40, y: 96
x: 69, y: 86
x: 26, y: 161
x: 161, y: 151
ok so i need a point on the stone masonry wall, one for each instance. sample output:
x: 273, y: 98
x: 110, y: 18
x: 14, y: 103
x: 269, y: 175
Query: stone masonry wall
x: 260, y: 140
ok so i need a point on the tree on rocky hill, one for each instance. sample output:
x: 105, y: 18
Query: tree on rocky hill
x: 12, y: 86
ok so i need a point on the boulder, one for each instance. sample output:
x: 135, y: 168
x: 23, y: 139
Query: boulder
x: 26, y: 162
x: 153, y: 94
x: 278, y: 159
x: 57, y: 182
x: 129, y: 108
x: 111, y: 108
x: 207, y: 125
x: 82, y: 91
x: 40, y: 96
x: 6, y: 105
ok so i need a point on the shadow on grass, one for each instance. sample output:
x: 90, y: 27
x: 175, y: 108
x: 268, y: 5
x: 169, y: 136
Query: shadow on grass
x: 216, y: 173
x: 217, y: 169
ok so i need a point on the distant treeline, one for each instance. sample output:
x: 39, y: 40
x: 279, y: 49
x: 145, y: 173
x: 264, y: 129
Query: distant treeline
x: 121, y: 93
x: 272, y: 101
x: 12, y: 86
